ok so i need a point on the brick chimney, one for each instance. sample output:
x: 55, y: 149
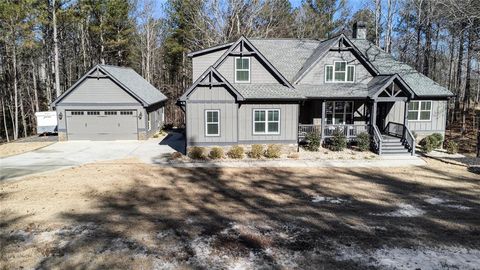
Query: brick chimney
x: 359, y: 30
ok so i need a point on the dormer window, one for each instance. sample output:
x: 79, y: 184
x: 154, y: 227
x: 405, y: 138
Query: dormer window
x: 340, y: 71
x: 242, y: 69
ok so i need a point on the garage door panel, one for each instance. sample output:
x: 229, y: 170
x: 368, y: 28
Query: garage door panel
x: 102, y: 125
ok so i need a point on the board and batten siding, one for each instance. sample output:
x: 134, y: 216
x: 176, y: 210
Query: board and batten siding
x: 196, y: 133
x: 215, y: 98
x: 101, y: 90
x: 436, y: 124
x: 203, y: 62
x: 317, y: 74
x: 258, y: 73
x: 288, y: 124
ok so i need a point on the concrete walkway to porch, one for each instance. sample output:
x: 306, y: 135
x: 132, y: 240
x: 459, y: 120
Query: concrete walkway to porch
x: 381, y: 161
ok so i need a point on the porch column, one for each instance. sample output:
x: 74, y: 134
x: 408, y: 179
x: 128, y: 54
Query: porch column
x: 323, y: 122
x: 405, y: 119
x: 373, y: 119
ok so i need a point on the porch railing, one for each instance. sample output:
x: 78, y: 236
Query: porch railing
x: 377, y: 138
x: 350, y: 131
x: 401, y: 131
x: 304, y: 129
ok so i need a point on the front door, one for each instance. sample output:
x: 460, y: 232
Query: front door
x: 383, y: 108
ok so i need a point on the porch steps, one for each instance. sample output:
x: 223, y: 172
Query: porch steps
x: 393, y: 146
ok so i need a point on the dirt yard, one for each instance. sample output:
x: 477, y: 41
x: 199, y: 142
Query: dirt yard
x: 131, y: 215
x: 25, y: 145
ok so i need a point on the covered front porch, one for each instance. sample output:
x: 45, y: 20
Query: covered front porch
x: 382, y: 114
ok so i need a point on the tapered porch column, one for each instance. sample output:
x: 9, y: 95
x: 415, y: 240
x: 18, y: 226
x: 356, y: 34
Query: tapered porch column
x: 405, y: 118
x: 373, y: 116
x: 322, y: 133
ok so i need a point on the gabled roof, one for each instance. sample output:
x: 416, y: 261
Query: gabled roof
x: 291, y: 59
x: 211, y: 77
x: 324, y: 47
x: 244, y: 44
x: 128, y: 80
x: 287, y: 55
x: 379, y: 83
x: 386, y: 64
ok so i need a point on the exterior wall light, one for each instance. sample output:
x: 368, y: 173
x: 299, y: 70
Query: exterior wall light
x: 140, y: 115
x: 60, y: 116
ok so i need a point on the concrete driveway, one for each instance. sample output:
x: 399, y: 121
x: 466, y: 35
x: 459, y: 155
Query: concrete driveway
x: 73, y: 153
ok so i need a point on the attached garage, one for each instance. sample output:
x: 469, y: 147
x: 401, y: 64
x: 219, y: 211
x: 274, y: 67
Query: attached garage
x: 110, y: 103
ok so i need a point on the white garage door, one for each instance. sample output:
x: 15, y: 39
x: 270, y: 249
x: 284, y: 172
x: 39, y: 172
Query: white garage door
x: 102, y: 125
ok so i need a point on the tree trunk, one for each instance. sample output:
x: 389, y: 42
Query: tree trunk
x: 22, y: 113
x: 466, y: 97
x: 458, y: 84
x: 428, y: 49
x: 5, y: 120
x: 35, y: 90
x: 15, y: 92
x: 55, y: 52
x: 378, y: 16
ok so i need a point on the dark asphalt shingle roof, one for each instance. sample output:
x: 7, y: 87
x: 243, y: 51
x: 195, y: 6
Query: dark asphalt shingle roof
x: 286, y: 55
x: 386, y: 64
x: 135, y: 83
x: 336, y: 90
x: 267, y: 91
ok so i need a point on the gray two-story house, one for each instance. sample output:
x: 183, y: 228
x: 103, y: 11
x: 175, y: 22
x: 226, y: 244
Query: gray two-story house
x: 264, y: 91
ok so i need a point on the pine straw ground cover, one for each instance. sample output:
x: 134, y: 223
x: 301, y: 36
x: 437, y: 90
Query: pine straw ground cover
x: 127, y: 214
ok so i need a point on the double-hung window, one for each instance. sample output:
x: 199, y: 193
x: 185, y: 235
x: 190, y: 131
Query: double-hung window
x: 266, y: 121
x: 212, y: 123
x: 419, y: 110
x: 242, y: 69
x: 340, y: 71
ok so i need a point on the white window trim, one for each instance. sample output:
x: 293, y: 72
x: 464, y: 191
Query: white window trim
x: 326, y: 74
x: 346, y: 72
x: 249, y: 69
x: 354, y: 75
x: 344, y: 112
x: 420, y: 110
x: 206, y: 123
x: 267, y: 132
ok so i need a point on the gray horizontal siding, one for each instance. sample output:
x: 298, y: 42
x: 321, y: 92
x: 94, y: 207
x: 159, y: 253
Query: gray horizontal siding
x: 288, y: 122
x: 102, y: 90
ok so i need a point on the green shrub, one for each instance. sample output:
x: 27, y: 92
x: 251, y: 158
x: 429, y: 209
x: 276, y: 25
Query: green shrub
x: 363, y: 141
x: 338, y: 142
x: 313, y: 142
x: 256, y: 151
x: 235, y: 152
x: 197, y: 152
x: 273, y: 151
x: 216, y: 153
x: 452, y: 147
x: 438, y: 138
x: 428, y: 144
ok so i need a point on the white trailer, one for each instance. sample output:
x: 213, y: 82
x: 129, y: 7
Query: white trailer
x: 46, y: 122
